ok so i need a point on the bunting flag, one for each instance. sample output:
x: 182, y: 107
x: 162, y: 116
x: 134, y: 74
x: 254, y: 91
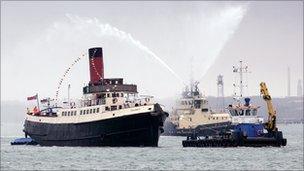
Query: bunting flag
x: 44, y: 100
x: 32, y: 97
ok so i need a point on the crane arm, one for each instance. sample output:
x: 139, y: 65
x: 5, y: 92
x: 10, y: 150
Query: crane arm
x: 271, y: 124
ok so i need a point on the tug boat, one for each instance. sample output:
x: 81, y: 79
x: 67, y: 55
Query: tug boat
x: 248, y: 134
x: 110, y: 113
x: 246, y: 128
x: 192, y: 114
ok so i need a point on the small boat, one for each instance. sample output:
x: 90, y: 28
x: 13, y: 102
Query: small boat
x: 24, y: 141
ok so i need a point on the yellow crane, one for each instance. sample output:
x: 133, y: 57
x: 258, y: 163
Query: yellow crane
x: 271, y: 124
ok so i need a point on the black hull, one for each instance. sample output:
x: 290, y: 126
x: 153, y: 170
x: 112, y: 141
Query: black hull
x: 201, y: 130
x: 133, y: 130
x: 236, y: 139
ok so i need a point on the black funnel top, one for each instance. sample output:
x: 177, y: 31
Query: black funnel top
x: 95, y: 52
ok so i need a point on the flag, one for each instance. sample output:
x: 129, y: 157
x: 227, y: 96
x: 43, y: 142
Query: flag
x: 32, y: 97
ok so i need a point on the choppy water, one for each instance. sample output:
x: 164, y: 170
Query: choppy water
x: 170, y: 155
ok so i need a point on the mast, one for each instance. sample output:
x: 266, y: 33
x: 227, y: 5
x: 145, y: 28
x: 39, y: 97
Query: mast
x: 241, y: 78
x: 191, y: 77
x: 241, y: 70
x: 220, y: 91
x: 37, y: 101
x: 69, y: 87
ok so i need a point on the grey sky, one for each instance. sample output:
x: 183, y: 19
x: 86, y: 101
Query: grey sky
x: 39, y: 40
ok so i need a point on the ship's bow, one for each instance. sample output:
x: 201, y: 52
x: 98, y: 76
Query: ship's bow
x: 161, y: 115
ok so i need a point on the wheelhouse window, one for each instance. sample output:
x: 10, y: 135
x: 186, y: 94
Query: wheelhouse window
x: 197, y: 104
x: 107, y: 108
x: 80, y: 112
x: 97, y: 110
x: 94, y: 110
x: 234, y: 112
x: 247, y: 112
x: 254, y: 112
x: 205, y: 110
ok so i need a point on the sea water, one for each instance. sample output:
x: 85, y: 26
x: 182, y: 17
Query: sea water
x: 170, y: 155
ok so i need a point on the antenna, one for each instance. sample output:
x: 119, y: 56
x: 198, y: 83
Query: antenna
x: 220, y: 89
x: 241, y: 70
x: 191, y: 76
